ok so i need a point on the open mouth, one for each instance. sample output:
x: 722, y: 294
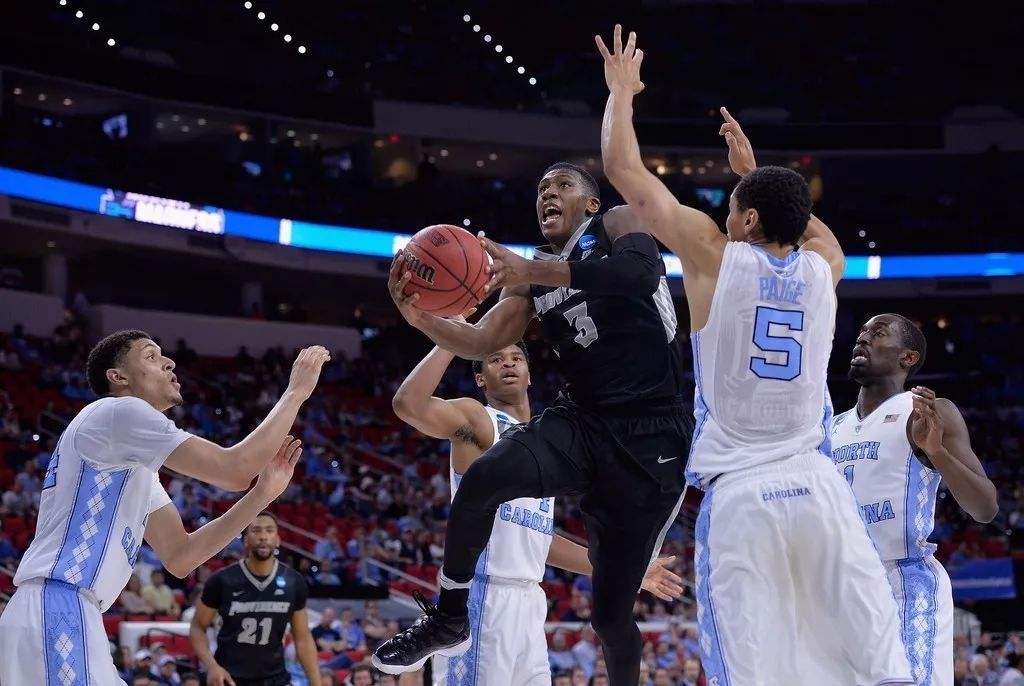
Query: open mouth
x: 860, y: 357
x: 550, y: 214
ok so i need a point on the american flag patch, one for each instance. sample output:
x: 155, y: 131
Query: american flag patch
x: 890, y: 418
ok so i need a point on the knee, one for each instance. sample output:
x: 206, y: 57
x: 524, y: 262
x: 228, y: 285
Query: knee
x: 612, y: 625
x: 497, y: 476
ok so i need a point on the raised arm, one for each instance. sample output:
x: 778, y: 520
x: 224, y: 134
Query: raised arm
x: 938, y: 429
x: 688, y: 232
x: 462, y: 420
x: 817, y: 237
x: 182, y: 552
x: 234, y: 468
x: 503, y: 325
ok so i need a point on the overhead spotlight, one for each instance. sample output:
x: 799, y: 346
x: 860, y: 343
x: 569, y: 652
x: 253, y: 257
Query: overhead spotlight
x: 330, y: 73
x: 314, y: 136
x: 111, y: 42
x: 479, y: 163
x: 62, y: 3
x: 521, y: 70
x: 291, y: 133
x: 498, y: 48
x: 533, y: 81
x: 42, y: 97
x: 17, y: 91
x: 302, y: 49
x: 862, y: 233
x: 261, y: 15
x: 476, y: 28
x: 487, y: 38
x: 274, y: 26
x: 79, y: 14
x: 243, y: 136
x: 68, y: 102
x: 175, y: 117
x: 466, y: 222
x: 247, y: 5
x: 201, y: 121
x: 871, y: 244
x: 95, y: 26
x: 493, y: 156
x: 444, y: 152
x: 185, y: 128
x: 509, y: 59
x: 466, y: 18
x: 287, y: 38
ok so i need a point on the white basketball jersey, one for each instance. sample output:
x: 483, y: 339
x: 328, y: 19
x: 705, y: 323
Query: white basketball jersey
x: 760, y: 363
x: 895, y: 492
x: 100, y: 486
x: 523, y: 528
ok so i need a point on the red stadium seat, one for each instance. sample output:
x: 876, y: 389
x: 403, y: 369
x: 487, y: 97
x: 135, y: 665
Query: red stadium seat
x: 340, y: 675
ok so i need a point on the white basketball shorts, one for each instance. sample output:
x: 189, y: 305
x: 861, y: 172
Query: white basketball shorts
x: 925, y: 598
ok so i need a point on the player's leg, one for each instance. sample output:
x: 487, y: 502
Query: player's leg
x: 925, y: 599
x: 844, y: 589
x: 746, y: 615
x: 532, y: 666
x: 22, y: 656
x: 535, y: 460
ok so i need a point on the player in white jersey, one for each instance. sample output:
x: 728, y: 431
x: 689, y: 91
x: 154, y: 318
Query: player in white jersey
x: 784, y: 569
x: 101, y: 498
x: 894, y: 447
x: 507, y: 607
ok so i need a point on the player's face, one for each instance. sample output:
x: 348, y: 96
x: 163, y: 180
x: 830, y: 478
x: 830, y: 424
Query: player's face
x: 505, y: 374
x: 262, y: 539
x: 562, y: 205
x: 150, y: 375
x: 740, y: 224
x: 878, y: 350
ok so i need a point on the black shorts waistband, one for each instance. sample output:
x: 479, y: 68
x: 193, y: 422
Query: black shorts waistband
x: 644, y: 407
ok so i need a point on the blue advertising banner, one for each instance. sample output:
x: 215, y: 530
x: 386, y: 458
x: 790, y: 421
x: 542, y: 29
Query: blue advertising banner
x: 984, y: 579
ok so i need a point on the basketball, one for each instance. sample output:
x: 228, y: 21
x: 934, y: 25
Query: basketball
x: 449, y: 270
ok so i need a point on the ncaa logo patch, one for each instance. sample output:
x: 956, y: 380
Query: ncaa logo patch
x: 280, y: 582
x: 587, y: 241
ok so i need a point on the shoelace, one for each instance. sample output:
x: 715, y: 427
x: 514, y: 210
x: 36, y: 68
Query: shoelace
x: 415, y: 634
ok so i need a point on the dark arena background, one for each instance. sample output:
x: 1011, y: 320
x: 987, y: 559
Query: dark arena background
x: 235, y: 177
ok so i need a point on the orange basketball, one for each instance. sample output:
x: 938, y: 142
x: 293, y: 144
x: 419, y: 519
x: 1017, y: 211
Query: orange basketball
x: 449, y: 270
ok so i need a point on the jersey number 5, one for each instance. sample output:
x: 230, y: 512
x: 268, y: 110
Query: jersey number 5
x: 248, y: 634
x: 577, y: 316
x: 792, y: 320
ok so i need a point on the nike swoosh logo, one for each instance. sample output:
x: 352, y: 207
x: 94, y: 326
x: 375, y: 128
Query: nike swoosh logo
x: 237, y: 593
x: 661, y: 460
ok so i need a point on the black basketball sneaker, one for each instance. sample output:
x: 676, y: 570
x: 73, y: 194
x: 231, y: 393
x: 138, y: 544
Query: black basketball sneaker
x: 434, y: 633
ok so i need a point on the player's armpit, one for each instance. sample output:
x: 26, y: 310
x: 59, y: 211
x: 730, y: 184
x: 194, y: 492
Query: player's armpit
x: 208, y: 462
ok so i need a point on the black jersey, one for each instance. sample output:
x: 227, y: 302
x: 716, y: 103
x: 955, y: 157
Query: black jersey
x: 255, y: 613
x: 612, y: 349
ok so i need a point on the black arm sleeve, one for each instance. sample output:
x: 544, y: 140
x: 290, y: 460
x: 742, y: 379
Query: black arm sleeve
x: 212, y: 591
x: 633, y: 266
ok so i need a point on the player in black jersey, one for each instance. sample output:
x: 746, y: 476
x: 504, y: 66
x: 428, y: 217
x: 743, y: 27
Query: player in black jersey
x: 256, y: 599
x: 619, y: 433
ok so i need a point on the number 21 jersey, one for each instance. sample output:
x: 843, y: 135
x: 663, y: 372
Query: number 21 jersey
x: 761, y: 362
x: 612, y: 350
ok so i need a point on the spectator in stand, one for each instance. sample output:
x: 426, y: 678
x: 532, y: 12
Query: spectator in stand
x: 691, y: 672
x: 1013, y: 675
x: 351, y: 632
x: 141, y: 678
x: 14, y: 501
x: 328, y: 636
x: 160, y: 596
x: 559, y: 656
x: 565, y: 679
x: 981, y: 672
x: 188, y: 504
x: 579, y: 677
x: 131, y: 600
x: 585, y: 650
x: 374, y: 625
x: 579, y: 608
x: 600, y: 679
x: 662, y: 677
x: 362, y: 675
x: 167, y: 672
x: 327, y: 677
x: 44, y: 455
x: 29, y: 480
x: 190, y: 679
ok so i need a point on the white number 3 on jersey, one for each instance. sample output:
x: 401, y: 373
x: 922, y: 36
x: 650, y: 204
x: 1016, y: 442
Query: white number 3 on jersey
x: 577, y: 316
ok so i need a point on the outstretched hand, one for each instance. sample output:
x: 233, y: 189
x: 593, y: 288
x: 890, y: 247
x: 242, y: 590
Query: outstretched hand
x: 741, y: 153
x: 306, y: 370
x: 660, y: 581
x: 622, y: 65
x: 506, y: 268
x: 278, y: 473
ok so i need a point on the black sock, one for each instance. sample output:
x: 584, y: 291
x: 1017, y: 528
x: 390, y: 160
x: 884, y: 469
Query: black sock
x: 453, y: 602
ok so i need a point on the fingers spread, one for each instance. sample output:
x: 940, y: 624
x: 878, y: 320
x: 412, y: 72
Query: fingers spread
x: 617, y: 39
x: 601, y: 47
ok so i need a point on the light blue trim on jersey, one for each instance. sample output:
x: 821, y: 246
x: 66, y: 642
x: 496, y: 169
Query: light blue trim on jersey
x: 87, y: 536
x: 463, y: 669
x: 778, y: 262
x: 918, y: 616
x: 710, y: 644
x: 700, y: 413
x: 65, y: 655
x: 919, y: 507
x: 825, y: 447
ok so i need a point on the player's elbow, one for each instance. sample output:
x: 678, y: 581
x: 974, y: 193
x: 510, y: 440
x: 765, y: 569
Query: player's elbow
x: 989, y: 509
x: 402, y: 405
x: 178, y: 568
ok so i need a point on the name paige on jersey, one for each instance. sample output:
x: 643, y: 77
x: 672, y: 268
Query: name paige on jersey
x: 777, y: 289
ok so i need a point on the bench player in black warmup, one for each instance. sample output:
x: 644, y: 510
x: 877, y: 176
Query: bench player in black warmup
x: 619, y: 433
x: 256, y: 599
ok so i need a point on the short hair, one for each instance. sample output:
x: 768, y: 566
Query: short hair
x: 913, y: 339
x: 478, y: 365
x: 361, y: 667
x: 264, y: 513
x: 107, y: 354
x: 782, y: 199
x: 589, y: 183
